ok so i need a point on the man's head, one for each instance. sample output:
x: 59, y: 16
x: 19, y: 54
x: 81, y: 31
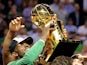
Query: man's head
x: 62, y: 60
x: 20, y: 44
x: 70, y: 21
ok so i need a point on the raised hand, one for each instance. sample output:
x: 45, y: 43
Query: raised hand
x: 15, y: 25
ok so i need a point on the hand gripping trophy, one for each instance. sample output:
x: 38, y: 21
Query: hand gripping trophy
x: 43, y: 16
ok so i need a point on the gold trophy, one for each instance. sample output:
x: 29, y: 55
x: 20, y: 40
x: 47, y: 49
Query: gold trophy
x: 42, y: 15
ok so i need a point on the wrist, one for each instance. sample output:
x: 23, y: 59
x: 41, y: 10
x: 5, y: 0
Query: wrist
x: 42, y: 40
x: 12, y: 33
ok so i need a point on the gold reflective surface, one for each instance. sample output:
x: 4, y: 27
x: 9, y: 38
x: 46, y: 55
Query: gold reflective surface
x: 40, y: 15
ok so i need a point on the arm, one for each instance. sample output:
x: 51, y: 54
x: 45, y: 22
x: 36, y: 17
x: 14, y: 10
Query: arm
x: 8, y: 38
x: 14, y: 26
x: 32, y: 54
x: 6, y: 43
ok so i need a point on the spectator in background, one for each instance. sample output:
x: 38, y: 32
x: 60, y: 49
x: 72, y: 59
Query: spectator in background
x: 76, y: 37
x: 12, y: 13
x: 18, y: 2
x: 24, y: 3
x: 70, y: 1
x: 4, y: 24
x: 61, y: 13
x: 8, y: 6
x: 27, y: 10
x: 1, y: 8
x: 2, y: 12
x: 76, y: 16
x: 1, y: 31
x: 71, y: 29
x: 68, y: 6
x: 54, y: 6
x: 6, y: 1
x: 85, y: 6
x: 62, y: 60
x: 82, y: 31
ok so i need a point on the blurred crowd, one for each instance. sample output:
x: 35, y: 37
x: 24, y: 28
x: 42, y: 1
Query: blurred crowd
x: 70, y: 11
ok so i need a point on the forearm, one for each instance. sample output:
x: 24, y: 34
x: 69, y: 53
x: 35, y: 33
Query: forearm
x: 5, y: 51
x: 10, y: 35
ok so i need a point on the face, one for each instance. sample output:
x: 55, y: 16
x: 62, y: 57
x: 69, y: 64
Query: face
x: 77, y: 7
x: 60, y: 4
x: 70, y: 22
x: 22, y: 48
x: 77, y: 62
x: 14, y: 9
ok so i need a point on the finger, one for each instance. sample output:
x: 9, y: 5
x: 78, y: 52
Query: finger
x: 12, y: 22
x: 15, y: 21
x: 19, y: 19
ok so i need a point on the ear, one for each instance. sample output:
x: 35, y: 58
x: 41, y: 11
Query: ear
x: 14, y: 54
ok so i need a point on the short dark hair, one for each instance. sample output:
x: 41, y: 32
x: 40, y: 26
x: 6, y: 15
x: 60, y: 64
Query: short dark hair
x: 62, y: 60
